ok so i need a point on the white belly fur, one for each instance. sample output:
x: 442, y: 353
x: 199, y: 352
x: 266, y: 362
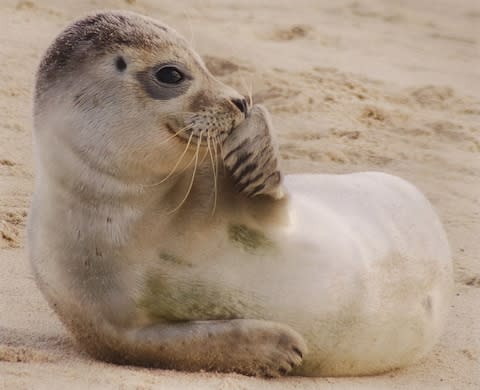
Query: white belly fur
x: 365, y: 273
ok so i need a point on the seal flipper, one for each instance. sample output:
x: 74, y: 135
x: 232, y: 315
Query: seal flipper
x: 251, y: 157
x: 246, y: 346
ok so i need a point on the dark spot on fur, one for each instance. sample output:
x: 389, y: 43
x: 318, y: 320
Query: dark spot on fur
x: 109, y: 220
x: 120, y: 64
x: 175, y: 300
x: 251, y: 240
x: 173, y: 259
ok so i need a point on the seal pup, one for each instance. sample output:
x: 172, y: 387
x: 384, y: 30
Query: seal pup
x: 151, y: 253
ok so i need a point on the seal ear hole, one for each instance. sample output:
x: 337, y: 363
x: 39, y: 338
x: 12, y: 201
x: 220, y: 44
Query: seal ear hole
x: 120, y: 64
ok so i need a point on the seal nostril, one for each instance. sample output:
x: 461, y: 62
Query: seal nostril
x: 241, y: 104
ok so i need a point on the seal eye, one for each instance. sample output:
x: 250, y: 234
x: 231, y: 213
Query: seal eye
x: 169, y: 75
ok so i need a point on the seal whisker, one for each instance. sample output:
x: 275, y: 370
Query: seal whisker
x: 203, y: 158
x: 175, y: 166
x: 214, y: 170
x: 216, y: 159
x: 175, y: 134
x: 193, y: 176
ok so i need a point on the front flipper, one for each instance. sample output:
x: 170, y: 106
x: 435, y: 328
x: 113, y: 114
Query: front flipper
x: 250, y: 156
x: 251, y: 347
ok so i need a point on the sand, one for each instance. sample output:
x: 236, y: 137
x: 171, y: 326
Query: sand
x: 380, y: 85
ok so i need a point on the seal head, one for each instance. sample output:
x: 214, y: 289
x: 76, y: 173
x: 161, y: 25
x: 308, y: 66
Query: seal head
x: 128, y: 84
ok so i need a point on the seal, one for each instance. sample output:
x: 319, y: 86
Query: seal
x: 163, y: 232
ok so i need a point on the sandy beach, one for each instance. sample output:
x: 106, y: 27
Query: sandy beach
x: 391, y: 86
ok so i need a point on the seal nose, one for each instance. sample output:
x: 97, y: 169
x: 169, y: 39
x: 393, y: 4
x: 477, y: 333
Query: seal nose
x: 241, y: 104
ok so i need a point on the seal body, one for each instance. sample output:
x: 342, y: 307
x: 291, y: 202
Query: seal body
x: 150, y: 260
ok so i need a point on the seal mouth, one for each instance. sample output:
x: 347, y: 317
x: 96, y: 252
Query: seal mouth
x: 192, y: 133
x: 170, y: 128
x: 175, y: 134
